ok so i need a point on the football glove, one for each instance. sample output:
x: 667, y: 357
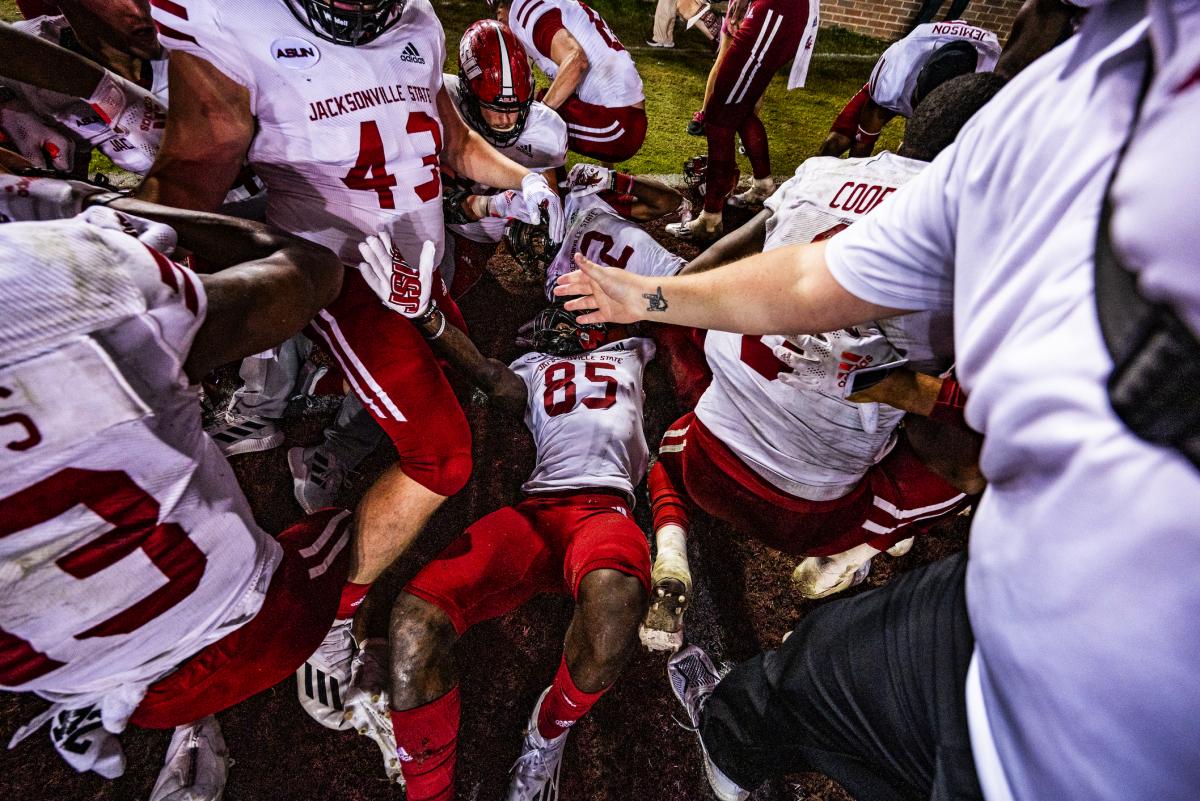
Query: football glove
x: 24, y: 199
x: 128, y: 125
x: 541, y: 199
x: 400, y: 287
x: 828, y: 362
x: 39, y: 143
x: 156, y: 235
x: 588, y: 179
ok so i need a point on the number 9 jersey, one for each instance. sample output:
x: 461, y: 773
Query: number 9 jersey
x: 347, y: 138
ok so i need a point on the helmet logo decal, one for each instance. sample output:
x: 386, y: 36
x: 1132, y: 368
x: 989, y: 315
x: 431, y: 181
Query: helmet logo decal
x: 295, y: 53
x: 506, y: 81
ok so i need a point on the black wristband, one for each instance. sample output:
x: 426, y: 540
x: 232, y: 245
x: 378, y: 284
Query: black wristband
x: 102, y: 199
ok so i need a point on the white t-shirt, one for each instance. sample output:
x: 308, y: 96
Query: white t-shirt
x: 348, y: 138
x: 126, y: 544
x: 894, y: 78
x: 598, y: 231
x: 611, y: 80
x: 585, y: 413
x: 1078, y: 590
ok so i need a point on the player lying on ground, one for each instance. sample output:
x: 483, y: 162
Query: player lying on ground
x: 775, y: 448
x: 149, y: 595
x: 594, y: 85
x: 904, y: 75
x: 580, y: 390
x: 341, y: 111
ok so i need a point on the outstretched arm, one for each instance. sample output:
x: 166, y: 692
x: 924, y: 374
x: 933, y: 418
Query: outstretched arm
x: 786, y: 291
x: 493, y: 376
x: 735, y: 245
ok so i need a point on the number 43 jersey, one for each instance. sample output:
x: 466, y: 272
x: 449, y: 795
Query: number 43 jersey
x: 347, y: 138
x: 585, y: 412
x: 126, y: 544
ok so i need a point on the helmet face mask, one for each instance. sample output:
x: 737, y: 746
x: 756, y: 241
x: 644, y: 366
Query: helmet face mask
x: 531, y: 247
x: 494, y: 75
x: 348, y: 22
x: 555, y: 331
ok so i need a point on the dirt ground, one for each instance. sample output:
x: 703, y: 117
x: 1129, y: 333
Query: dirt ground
x: 629, y: 747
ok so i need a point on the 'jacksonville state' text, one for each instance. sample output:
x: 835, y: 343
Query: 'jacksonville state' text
x: 367, y: 98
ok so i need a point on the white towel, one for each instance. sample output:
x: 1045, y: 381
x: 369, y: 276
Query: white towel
x: 799, y: 73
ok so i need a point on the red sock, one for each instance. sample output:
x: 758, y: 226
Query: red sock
x: 754, y: 137
x: 352, y: 598
x: 427, y: 743
x: 667, y: 504
x: 722, y: 175
x: 564, y: 704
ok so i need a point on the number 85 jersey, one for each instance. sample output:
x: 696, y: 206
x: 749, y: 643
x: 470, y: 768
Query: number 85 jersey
x: 347, y: 138
x: 585, y: 412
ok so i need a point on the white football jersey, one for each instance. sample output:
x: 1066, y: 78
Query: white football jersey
x: 126, y: 544
x: 612, y: 79
x: 134, y: 150
x: 894, y: 78
x: 585, y: 413
x: 541, y: 146
x: 802, y: 441
x: 595, y: 229
x: 348, y: 138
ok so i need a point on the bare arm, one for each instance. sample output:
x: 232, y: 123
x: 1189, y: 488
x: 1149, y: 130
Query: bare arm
x: 467, y: 153
x: 735, y: 245
x: 494, y: 377
x: 653, y: 199
x: 209, y: 129
x: 786, y: 291
x: 32, y: 60
x: 870, y: 124
x: 567, y: 53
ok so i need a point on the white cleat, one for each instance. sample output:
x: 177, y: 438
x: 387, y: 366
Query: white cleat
x: 693, y: 679
x: 196, y: 766
x: 759, y: 191
x: 536, y: 771
x: 317, y: 477
x: 697, y: 230
x: 822, y: 576
x: 240, y: 433
x: 368, y: 713
x: 323, y: 680
x: 670, y: 594
x: 901, y: 548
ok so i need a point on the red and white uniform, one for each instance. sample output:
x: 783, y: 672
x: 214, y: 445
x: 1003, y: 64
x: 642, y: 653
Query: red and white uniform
x: 126, y: 542
x: 585, y: 413
x: 895, y: 75
x: 541, y: 146
x: 598, y: 231
x: 347, y: 143
x: 132, y: 149
x: 602, y: 117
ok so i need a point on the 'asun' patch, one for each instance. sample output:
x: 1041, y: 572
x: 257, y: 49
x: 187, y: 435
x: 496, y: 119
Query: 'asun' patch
x: 295, y: 53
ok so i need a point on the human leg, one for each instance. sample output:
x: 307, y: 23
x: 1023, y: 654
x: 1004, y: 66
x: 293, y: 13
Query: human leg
x: 664, y: 24
x: 319, y: 470
x: 753, y: 135
x: 671, y: 576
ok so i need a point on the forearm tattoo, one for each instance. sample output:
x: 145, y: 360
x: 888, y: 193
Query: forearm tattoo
x: 656, y: 300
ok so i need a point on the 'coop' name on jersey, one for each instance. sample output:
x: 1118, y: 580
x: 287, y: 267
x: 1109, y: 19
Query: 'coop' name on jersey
x: 367, y: 98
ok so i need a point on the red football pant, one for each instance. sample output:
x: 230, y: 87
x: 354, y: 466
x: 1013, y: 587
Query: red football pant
x: 768, y: 37
x: 392, y: 370
x: 295, y: 616
x: 546, y: 543
x: 602, y: 133
x: 846, y: 123
x: 897, y: 498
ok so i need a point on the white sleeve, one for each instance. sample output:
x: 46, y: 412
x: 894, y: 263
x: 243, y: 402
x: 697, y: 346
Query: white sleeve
x: 902, y: 254
x: 196, y: 29
x: 889, y: 76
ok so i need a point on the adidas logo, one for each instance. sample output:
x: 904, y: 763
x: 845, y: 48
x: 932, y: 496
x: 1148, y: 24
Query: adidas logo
x: 411, y: 54
x: 849, y: 363
x: 319, y: 686
x: 526, y: 149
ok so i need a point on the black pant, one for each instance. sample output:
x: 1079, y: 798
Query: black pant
x: 869, y: 691
x: 930, y: 8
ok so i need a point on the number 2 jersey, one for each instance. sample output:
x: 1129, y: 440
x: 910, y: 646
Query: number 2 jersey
x: 806, y: 443
x: 347, y: 138
x: 585, y: 412
x: 126, y: 544
x: 598, y: 231
x: 611, y: 79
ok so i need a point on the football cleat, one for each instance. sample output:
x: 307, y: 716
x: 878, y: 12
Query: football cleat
x: 696, y: 230
x: 196, y: 766
x: 759, y: 190
x: 240, y: 433
x: 822, y: 576
x: 367, y: 705
x: 695, y: 126
x: 693, y: 679
x: 323, y: 680
x: 536, y: 771
x: 671, y: 592
x: 901, y: 548
x: 317, y: 476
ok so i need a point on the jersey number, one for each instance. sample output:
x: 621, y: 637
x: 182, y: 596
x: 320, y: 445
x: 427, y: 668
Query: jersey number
x: 370, y: 171
x: 606, y: 245
x: 602, y: 28
x: 133, y: 513
x: 560, y: 377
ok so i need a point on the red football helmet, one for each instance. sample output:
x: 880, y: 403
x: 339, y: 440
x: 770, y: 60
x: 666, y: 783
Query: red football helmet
x: 494, y: 76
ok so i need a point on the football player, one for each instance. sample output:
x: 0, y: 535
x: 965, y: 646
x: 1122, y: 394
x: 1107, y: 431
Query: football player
x: 774, y: 447
x: 147, y: 594
x: 761, y: 36
x: 595, y: 86
x: 905, y: 74
x: 341, y: 111
x: 572, y: 534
